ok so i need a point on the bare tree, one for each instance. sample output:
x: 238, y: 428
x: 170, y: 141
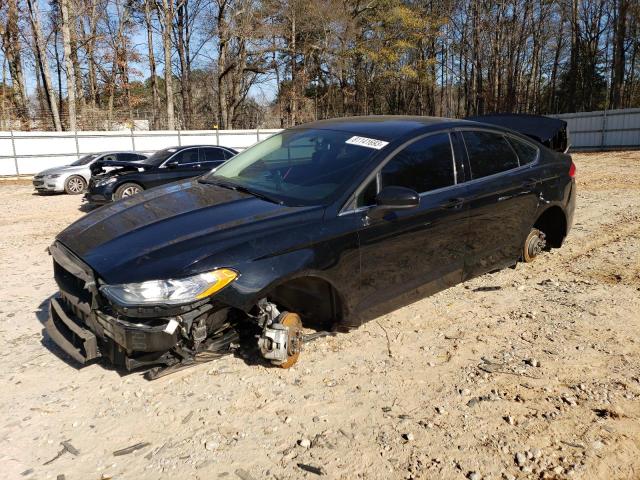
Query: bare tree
x: 69, y: 67
x: 167, y: 30
x: 43, y: 63
x: 11, y: 48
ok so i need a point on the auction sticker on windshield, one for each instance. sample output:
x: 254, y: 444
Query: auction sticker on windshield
x: 367, y: 142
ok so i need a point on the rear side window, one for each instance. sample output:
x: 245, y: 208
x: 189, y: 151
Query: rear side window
x: 423, y: 166
x: 213, y: 155
x: 489, y: 153
x: 527, y: 153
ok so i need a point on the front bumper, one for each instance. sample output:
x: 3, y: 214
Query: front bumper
x: 86, y: 329
x: 100, y: 195
x: 97, y: 198
x: 89, y: 335
x: 43, y: 184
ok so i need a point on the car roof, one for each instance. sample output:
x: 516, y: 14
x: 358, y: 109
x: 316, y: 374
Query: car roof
x: 387, y: 127
x: 192, y: 146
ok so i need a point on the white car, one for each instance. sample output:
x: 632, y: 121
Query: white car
x: 74, y: 178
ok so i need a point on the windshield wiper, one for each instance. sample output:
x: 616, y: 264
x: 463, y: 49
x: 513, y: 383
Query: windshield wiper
x: 243, y: 189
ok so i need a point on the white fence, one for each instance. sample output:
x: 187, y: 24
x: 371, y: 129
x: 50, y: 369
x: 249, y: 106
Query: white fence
x: 604, y: 129
x: 24, y: 153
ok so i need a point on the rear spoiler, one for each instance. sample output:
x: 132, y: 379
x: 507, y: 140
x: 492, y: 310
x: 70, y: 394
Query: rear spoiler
x: 551, y: 132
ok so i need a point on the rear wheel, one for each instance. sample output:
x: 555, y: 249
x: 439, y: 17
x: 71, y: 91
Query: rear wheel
x: 127, y: 190
x: 75, y: 185
x: 533, y: 245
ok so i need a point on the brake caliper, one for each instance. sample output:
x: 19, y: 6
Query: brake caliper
x: 282, y: 338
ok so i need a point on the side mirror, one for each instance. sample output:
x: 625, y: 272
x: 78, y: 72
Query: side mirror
x: 171, y: 164
x: 394, y: 198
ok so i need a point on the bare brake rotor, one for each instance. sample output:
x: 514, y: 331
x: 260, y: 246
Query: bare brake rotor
x: 534, y: 245
x: 294, y: 325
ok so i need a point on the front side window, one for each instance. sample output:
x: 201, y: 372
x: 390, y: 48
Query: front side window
x: 299, y: 166
x: 368, y: 194
x: 425, y: 165
x: 159, y: 157
x: 527, y: 153
x: 489, y: 153
x: 186, y: 156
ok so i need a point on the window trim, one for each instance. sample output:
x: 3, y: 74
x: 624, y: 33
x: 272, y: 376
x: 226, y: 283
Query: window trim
x: 163, y: 165
x: 521, y: 140
x: 213, y: 147
x: 504, y: 134
x: 349, y: 205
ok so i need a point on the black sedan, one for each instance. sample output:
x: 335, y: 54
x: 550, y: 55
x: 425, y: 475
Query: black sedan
x: 113, y: 180
x: 328, y: 225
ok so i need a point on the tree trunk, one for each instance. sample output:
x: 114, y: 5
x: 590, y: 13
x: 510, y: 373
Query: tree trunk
x: 12, y: 50
x: 155, y: 103
x: 167, y: 7
x: 43, y: 63
x: 619, y: 32
x: 185, y: 81
x: 71, y: 78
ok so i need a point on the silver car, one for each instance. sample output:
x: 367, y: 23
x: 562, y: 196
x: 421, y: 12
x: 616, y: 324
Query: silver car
x: 74, y: 178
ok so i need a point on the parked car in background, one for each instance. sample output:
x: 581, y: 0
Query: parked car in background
x: 74, y: 178
x: 164, y: 166
x: 328, y: 225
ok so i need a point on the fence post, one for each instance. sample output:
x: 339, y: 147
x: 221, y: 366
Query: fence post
x: 604, y: 128
x: 75, y: 135
x: 15, y: 156
x: 179, y: 139
x: 217, y: 137
x: 258, y: 134
x: 133, y: 141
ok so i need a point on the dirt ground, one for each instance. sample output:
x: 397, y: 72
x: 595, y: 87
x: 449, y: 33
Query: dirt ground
x: 536, y: 378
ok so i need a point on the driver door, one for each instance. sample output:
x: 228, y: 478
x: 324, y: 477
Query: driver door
x: 409, y: 254
x: 183, y: 164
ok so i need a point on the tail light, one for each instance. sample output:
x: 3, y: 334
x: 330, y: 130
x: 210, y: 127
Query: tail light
x: 572, y: 169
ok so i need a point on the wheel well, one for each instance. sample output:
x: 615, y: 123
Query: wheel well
x: 554, y: 225
x: 75, y: 175
x: 316, y: 301
x: 120, y: 185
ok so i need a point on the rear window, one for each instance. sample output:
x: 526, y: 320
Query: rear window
x: 527, y: 153
x: 489, y: 153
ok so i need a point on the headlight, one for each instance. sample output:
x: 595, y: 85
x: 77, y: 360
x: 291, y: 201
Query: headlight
x: 106, y: 181
x: 170, y: 292
x: 53, y: 175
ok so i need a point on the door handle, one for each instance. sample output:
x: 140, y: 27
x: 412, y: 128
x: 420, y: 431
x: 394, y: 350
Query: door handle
x: 453, y: 203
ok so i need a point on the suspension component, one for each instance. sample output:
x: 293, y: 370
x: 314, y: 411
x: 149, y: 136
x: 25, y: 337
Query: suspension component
x: 282, y: 338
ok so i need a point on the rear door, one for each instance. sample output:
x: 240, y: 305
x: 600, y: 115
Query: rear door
x: 502, y: 198
x: 211, y: 157
x: 409, y: 254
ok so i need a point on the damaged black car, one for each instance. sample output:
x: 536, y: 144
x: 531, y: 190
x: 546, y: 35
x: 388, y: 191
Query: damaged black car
x: 114, y: 180
x: 325, y: 225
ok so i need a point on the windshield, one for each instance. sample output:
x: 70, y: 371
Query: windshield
x: 84, y: 160
x: 160, y: 156
x: 301, y: 167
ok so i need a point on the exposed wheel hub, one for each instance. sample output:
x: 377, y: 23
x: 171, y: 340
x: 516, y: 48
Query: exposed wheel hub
x: 282, y: 337
x: 535, y: 244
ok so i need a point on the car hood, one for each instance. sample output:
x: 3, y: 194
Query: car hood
x: 120, y: 165
x: 179, y: 230
x: 63, y: 169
